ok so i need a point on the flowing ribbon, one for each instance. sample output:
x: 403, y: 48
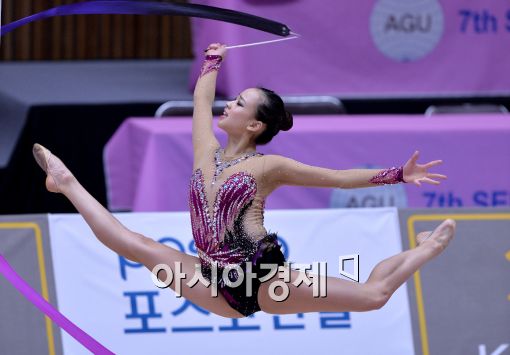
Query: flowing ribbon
x: 141, y: 7
x: 37, y: 300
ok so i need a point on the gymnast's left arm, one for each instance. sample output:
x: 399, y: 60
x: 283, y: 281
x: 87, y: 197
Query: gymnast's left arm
x: 285, y: 171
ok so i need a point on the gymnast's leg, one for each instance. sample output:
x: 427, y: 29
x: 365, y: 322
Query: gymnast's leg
x: 344, y: 296
x: 123, y: 241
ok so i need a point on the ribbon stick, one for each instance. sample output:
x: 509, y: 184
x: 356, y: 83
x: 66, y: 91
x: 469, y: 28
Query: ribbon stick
x: 295, y: 35
x: 133, y: 7
x: 37, y: 300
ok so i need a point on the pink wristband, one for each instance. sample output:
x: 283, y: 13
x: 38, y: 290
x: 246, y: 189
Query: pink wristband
x: 211, y: 63
x: 389, y: 176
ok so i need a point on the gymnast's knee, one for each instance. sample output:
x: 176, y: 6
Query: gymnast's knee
x: 375, y: 297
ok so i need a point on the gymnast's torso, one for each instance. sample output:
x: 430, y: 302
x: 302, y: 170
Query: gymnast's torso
x: 226, y: 200
x: 227, y: 212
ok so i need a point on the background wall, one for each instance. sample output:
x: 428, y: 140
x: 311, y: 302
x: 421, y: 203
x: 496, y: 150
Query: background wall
x: 92, y: 36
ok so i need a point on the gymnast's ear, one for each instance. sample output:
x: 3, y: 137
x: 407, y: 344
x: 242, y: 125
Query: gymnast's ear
x: 256, y: 126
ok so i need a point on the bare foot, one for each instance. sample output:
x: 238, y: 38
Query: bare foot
x: 58, y: 175
x: 440, y: 237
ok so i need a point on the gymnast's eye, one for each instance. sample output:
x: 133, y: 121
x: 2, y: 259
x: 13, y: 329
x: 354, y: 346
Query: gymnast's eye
x: 240, y: 101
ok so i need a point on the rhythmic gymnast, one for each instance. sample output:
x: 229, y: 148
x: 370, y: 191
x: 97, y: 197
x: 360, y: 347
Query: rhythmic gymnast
x: 226, y: 197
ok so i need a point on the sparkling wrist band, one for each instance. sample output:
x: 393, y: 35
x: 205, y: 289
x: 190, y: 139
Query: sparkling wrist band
x: 389, y: 176
x: 212, y: 62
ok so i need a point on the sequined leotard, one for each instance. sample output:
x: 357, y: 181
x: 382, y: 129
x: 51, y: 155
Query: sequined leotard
x: 224, y: 236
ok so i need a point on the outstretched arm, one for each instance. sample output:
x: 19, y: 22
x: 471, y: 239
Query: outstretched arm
x: 286, y: 171
x: 203, y: 98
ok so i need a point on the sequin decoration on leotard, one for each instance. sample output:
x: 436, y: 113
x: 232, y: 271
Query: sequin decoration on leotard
x: 221, y: 238
x: 221, y: 165
x: 208, y: 231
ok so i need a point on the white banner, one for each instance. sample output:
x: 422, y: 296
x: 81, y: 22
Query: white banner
x: 117, y: 303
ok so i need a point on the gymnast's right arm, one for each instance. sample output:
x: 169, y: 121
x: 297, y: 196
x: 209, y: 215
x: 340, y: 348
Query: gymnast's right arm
x: 203, y: 98
x: 285, y: 171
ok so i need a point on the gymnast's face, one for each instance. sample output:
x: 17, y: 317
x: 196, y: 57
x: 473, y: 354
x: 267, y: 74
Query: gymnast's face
x: 239, y: 114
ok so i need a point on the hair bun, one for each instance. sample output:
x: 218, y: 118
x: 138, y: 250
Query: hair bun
x: 286, y: 121
x: 271, y: 111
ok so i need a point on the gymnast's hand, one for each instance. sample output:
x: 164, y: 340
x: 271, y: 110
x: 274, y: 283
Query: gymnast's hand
x: 417, y: 173
x: 216, y: 49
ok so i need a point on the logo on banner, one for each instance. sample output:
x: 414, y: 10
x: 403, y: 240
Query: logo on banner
x: 406, y: 30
